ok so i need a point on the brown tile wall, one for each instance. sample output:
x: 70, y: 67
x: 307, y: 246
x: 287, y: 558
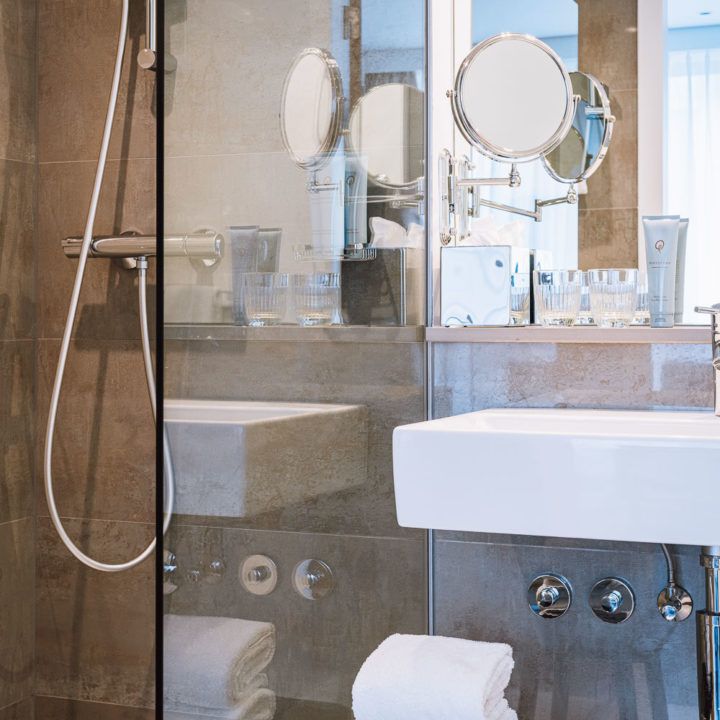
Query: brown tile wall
x: 608, y: 213
x: 18, y: 316
x: 576, y: 666
x: 94, y: 638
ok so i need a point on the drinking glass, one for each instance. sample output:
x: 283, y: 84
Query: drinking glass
x: 613, y: 296
x: 557, y: 296
x: 585, y: 316
x: 316, y: 297
x: 642, y: 308
x: 244, y: 258
x: 520, y: 299
x: 265, y: 296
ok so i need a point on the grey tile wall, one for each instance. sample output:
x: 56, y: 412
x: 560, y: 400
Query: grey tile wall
x: 321, y: 644
x: 379, y: 568
x: 575, y: 666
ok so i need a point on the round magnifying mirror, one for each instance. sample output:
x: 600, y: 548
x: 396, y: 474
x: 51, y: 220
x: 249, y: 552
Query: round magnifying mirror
x: 312, y: 108
x: 513, y: 98
x: 582, y: 151
x: 387, y: 130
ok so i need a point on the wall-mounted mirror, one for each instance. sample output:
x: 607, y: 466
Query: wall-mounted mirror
x: 583, y: 149
x: 387, y: 132
x: 513, y: 98
x: 311, y: 111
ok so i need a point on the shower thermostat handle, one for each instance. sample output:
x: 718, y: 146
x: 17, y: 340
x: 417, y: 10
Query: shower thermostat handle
x: 147, y: 59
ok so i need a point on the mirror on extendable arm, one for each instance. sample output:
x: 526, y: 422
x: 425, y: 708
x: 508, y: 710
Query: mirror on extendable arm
x: 311, y: 111
x: 311, y: 120
x: 384, y: 192
x: 513, y: 101
x: 513, y: 98
x: 387, y: 132
x: 385, y: 153
x: 583, y: 149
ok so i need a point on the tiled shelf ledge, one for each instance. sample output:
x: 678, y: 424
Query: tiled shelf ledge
x: 294, y: 333
x: 687, y: 334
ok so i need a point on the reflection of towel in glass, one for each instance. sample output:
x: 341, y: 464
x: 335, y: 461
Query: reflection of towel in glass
x: 258, y: 704
x: 389, y: 234
x: 213, y: 662
x: 417, y: 676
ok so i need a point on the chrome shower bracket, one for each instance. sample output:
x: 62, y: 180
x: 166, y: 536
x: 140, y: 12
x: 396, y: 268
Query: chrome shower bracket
x: 148, y: 57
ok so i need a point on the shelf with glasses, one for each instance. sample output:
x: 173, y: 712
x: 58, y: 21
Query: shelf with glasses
x: 295, y: 333
x: 681, y: 334
x: 684, y: 334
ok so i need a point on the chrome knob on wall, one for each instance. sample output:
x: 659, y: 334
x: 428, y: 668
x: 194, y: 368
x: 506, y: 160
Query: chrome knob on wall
x: 674, y: 603
x: 258, y: 574
x: 313, y: 579
x: 612, y: 600
x: 549, y: 596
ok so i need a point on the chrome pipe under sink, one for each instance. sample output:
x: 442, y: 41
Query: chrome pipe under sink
x: 708, y: 637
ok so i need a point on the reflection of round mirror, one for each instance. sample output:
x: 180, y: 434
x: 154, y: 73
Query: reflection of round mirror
x: 513, y: 98
x: 579, y: 155
x: 312, y: 108
x: 387, y: 130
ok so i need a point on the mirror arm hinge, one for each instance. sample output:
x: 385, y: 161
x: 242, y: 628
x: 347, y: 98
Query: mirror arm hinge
x: 471, y: 187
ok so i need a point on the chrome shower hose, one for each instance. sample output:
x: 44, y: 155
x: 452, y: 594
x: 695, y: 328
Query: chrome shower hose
x: 67, y: 334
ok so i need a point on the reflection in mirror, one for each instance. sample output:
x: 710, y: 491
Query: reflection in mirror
x: 503, y: 81
x: 579, y: 155
x: 312, y: 108
x: 692, y: 152
x: 387, y: 131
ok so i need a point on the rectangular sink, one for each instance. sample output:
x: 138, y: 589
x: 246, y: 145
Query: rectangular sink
x: 599, y: 474
x: 239, y: 459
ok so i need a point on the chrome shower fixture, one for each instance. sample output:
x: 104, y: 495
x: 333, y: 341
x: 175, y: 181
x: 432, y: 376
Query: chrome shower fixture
x: 206, y: 245
x: 674, y: 602
x: 147, y: 58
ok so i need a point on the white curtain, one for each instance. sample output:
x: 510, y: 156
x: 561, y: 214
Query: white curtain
x: 692, y: 172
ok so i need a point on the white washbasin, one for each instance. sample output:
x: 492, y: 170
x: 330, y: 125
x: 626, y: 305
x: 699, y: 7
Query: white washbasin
x: 599, y: 474
x: 240, y: 459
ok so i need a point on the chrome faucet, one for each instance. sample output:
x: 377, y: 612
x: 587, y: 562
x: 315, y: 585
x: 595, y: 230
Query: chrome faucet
x: 714, y: 313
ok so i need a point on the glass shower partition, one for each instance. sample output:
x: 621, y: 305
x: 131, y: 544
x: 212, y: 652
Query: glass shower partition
x: 296, y: 132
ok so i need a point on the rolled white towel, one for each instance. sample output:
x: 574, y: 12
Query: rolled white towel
x: 258, y: 704
x: 212, y: 662
x: 435, y: 678
x: 259, y: 682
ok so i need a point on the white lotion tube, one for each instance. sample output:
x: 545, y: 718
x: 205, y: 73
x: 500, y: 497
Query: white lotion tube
x: 680, y: 271
x: 661, y: 240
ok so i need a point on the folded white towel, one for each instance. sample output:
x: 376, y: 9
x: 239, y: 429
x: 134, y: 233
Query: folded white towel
x: 212, y: 662
x: 435, y: 678
x: 256, y: 705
